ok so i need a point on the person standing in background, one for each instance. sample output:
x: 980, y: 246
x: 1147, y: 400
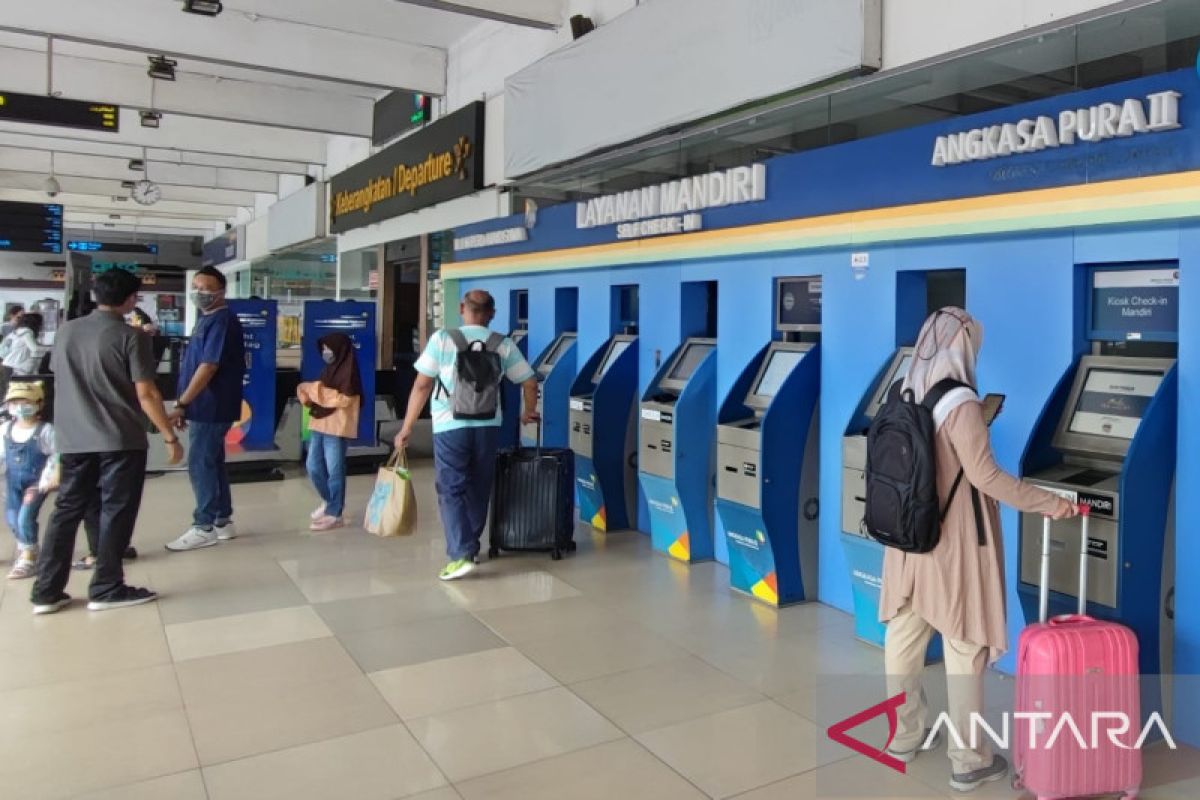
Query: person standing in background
x: 10, y: 321
x: 104, y: 383
x: 22, y: 350
x: 210, y: 401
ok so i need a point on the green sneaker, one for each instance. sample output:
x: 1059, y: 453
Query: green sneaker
x: 457, y: 569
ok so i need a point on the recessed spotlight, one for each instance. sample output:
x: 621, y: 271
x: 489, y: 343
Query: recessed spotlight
x: 206, y: 8
x: 151, y: 119
x: 137, y: 165
x: 120, y: 198
x: 126, y: 185
x: 162, y: 68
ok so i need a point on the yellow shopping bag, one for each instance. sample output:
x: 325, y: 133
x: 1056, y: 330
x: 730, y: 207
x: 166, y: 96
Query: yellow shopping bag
x: 392, y: 510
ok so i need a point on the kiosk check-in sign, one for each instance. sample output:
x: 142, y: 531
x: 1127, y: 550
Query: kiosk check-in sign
x: 438, y: 163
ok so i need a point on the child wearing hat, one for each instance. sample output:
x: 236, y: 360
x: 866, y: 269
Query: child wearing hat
x: 28, y: 459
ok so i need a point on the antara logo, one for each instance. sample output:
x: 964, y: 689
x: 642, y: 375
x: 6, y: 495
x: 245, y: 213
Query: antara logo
x: 1104, y: 729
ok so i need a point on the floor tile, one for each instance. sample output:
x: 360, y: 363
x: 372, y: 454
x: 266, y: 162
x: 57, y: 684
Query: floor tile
x: 415, y: 642
x: 379, y: 764
x: 444, y: 793
x: 600, y: 651
x: 738, y: 750
x: 119, y: 751
x: 244, y: 632
x: 222, y: 601
x: 180, y: 786
x: 855, y: 778
x: 654, y: 697
x: 449, y: 683
x: 344, y: 585
x: 551, y: 619
x: 484, y: 589
x: 506, y: 733
x: 380, y: 611
x: 621, y: 769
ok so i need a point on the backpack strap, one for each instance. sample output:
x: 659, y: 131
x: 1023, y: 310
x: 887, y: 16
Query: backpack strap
x: 940, y: 390
x: 459, y: 339
x: 494, y: 340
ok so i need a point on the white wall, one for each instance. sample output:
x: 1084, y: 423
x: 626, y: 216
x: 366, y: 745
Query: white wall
x: 914, y: 30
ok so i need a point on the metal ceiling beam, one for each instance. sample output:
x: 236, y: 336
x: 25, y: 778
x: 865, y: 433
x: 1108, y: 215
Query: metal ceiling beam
x: 541, y: 15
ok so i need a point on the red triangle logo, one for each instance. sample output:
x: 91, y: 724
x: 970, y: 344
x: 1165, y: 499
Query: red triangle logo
x: 837, y: 732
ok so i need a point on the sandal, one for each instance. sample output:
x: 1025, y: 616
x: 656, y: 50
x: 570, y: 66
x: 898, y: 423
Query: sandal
x: 22, y: 569
x: 87, y: 562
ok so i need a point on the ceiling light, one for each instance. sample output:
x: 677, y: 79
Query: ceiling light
x: 207, y: 8
x: 137, y: 165
x: 151, y: 119
x: 162, y: 68
x: 126, y: 185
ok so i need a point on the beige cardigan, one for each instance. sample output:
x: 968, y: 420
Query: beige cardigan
x: 343, y: 421
x: 958, y: 587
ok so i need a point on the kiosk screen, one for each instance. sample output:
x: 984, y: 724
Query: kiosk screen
x: 780, y: 365
x: 614, y: 352
x: 798, y: 305
x: 560, y: 347
x: 898, y: 374
x: 688, y: 360
x: 1112, y: 402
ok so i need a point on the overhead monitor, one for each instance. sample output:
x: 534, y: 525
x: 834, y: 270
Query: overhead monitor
x: 798, y: 304
x: 687, y: 358
x: 1107, y: 402
x: 555, y: 352
x: 1135, y: 304
x: 776, y: 366
x: 897, y: 371
x: 618, y: 345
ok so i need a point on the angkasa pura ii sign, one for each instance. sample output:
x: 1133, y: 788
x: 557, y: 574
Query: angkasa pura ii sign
x: 437, y: 163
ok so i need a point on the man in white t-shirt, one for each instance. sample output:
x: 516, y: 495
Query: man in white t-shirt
x: 464, y: 450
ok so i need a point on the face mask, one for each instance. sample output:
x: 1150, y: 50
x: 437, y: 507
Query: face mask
x: 204, y: 300
x: 327, y: 356
x: 25, y: 410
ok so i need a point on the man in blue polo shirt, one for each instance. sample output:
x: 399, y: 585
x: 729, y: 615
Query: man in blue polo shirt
x: 210, y: 401
x: 464, y: 450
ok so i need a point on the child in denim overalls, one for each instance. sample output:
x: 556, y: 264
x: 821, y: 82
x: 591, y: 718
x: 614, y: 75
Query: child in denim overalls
x: 27, y: 456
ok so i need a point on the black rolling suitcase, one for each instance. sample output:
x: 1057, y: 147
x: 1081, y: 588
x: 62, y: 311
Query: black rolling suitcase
x: 533, y: 501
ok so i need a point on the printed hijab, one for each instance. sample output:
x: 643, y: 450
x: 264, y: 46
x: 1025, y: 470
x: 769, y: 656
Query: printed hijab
x: 947, y: 347
x: 342, y: 374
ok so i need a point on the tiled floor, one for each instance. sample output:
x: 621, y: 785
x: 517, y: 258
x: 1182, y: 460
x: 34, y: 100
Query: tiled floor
x: 292, y: 665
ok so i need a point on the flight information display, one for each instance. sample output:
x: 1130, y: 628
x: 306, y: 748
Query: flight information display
x: 42, y: 110
x: 31, y: 227
x: 1113, y: 402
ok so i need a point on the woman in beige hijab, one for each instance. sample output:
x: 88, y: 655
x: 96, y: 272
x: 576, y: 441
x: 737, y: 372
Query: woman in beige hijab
x: 957, y: 589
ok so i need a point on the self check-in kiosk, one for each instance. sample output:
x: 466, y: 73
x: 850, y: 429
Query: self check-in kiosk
x: 555, y: 370
x: 863, y: 554
x: 603, y: 437
x: 510, y: 397
x: 675, y: 455
x: 1107, y: 439
x: 767, y: 457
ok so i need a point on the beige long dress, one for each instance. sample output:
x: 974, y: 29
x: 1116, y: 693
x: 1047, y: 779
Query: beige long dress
x: 958, y: 587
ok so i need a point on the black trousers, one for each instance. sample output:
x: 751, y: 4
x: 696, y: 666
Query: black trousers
x: 118, y: 477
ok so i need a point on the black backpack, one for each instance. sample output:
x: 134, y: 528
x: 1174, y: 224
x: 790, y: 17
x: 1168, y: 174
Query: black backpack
x: 902, y: 508
x: 477, y: 375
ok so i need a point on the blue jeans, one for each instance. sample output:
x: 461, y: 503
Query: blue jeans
x: 206, y: 468
x: 22, y: 517
x: 464, y: 462
x: 327, y: 469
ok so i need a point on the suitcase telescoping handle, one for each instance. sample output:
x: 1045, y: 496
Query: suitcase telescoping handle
x: 1044, y: 583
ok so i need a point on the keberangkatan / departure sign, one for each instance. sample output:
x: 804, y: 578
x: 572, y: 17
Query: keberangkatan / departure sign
x: 31, y: 227
x: 43, y: 110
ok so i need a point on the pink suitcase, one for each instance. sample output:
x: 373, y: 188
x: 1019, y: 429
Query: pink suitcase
x: 1087, y: 669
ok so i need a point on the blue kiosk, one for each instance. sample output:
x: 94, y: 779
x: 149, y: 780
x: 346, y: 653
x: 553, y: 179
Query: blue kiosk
x: 675, y: 456
x: 768, y: 457
x: 601, y: 434
x: 510, y: 397
x: 1107, y: 439
x: 555, y: 370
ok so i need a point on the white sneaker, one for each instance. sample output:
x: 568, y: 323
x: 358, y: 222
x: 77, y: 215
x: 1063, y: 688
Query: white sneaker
x: 317, y: 513
x: 226, y: 532
x: 193, y: 539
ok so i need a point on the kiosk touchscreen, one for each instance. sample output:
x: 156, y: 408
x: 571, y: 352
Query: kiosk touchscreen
x: 601, y: 433
x: 675, y: 457
x: 1107, y: 439
x: 864, y: 554
x: 510, y: 398
x: 555, y: 369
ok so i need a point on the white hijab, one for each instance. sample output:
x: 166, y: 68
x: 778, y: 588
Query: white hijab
x: 947, y: 347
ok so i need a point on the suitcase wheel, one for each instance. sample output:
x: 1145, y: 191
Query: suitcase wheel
x: 493, y: 552
x: 556, y: 554
x: 570, y: 547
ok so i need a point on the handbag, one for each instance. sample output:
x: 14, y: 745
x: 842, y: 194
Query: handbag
x: 392, y: 509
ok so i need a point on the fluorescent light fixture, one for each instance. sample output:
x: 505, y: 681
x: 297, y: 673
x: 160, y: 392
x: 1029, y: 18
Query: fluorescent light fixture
x: 151, y: 119
x: 162, y: 68
x: 137, y: 165
x: 207, y: 8
x: 126, y: 185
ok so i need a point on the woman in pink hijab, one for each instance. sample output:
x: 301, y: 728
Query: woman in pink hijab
x: 957, y: 589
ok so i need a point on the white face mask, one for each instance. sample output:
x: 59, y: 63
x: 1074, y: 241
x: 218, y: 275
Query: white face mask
x: 327, y: 355
x: 23, y: 410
